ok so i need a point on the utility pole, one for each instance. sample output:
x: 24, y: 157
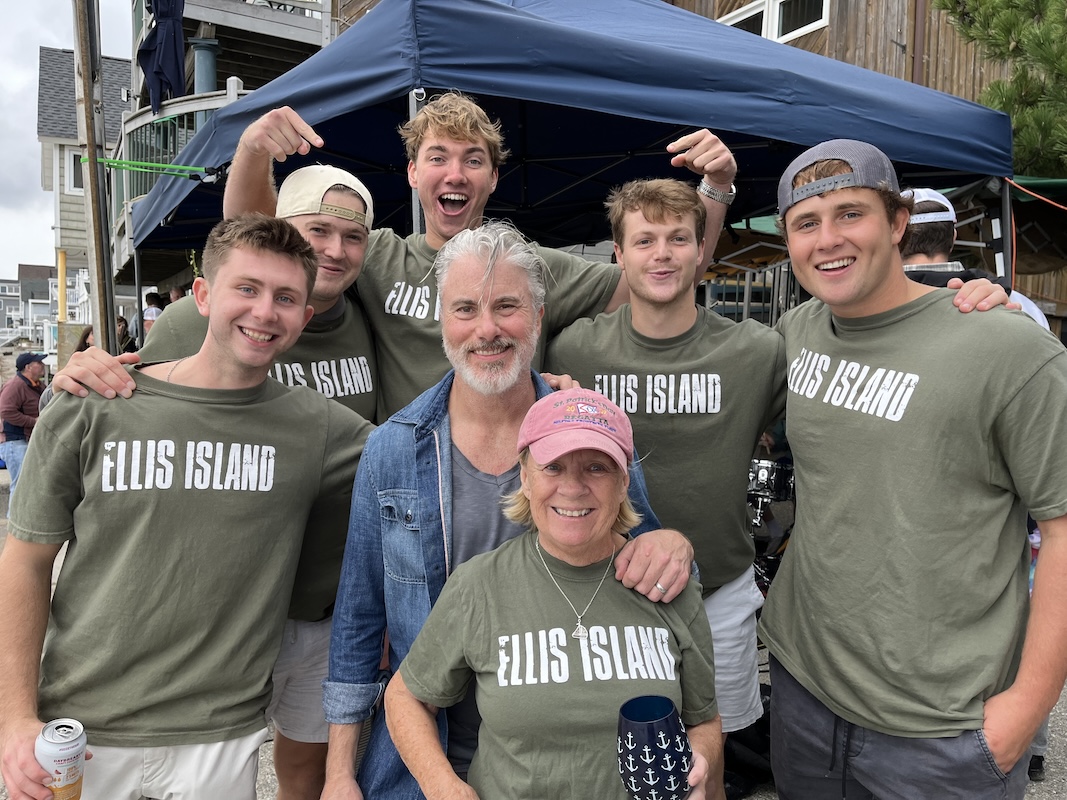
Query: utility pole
x: 89, y: 95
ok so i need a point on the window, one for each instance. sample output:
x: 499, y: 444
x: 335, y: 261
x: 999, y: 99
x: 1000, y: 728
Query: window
x: 75, y: 179
x: 781, y: 20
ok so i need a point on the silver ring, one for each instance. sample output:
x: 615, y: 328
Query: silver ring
x: 661, y: 589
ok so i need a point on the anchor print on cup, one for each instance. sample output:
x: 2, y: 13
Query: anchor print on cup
x: 654, y: 750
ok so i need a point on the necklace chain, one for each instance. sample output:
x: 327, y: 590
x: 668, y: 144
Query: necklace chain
x: 580, y: 631
x: 174, y: 367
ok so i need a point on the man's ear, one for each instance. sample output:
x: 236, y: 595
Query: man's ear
x: 900, y: 224
x: 201, y: 291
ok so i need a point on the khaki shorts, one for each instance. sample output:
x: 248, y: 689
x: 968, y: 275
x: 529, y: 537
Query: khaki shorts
x: 296, y: 705
x: 731, y: 611
x: 217, y: 771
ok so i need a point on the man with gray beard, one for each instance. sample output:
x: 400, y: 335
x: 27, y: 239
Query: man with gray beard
x: 428, y: 499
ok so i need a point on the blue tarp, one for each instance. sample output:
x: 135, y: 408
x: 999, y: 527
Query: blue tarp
x: 589, y: 94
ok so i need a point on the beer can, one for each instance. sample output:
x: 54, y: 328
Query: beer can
x: 60, y: 749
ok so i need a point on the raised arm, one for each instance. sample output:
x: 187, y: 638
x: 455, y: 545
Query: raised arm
x: 275, y: 136
x: 705, y: 154
x: 25, y: 584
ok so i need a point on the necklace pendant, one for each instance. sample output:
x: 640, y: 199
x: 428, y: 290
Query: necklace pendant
x: 580, y: 632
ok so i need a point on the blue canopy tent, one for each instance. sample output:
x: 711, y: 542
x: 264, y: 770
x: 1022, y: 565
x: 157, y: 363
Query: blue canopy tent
x: 589, y: 94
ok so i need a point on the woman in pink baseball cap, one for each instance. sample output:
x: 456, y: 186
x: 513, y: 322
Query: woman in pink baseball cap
x: 550, y: 643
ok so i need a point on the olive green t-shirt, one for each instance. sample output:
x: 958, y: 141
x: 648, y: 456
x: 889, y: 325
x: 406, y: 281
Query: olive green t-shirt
x: 549, y: 702
x: 185, y: 512
x: 698, y: 403
x: 334, y: 356
x: 921, y: 437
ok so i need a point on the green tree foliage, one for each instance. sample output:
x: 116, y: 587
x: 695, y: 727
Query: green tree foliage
x: 1030, y: 36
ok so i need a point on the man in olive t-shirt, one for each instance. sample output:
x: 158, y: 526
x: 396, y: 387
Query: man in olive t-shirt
x: 184, y: 508
x: 699, y: 390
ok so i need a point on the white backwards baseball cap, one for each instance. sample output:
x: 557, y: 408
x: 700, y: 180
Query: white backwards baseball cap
x: 947, y: 214
x: 302, y: 192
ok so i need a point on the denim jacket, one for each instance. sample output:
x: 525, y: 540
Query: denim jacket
x: 397, y: 558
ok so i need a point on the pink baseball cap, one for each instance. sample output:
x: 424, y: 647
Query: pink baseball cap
x: 578, y: 419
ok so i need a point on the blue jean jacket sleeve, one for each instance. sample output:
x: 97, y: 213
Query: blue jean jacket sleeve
x: 639, y: 497
x: 352, y: 688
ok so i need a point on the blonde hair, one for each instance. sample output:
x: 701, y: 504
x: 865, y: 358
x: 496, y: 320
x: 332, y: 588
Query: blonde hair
x: 453, y: 115
x: 517, y: 507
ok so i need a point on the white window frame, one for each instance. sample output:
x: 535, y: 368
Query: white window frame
x: 771, y: 11
x: 72, y: 165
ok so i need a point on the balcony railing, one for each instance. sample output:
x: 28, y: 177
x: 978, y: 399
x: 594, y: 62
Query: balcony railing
x: 158, y: 138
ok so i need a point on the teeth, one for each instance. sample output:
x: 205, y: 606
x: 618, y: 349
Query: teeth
x: 841, y: 262
x: 460, y: 198
x: 563, y: 512
x: 490, y: 350
x: 256, y: 336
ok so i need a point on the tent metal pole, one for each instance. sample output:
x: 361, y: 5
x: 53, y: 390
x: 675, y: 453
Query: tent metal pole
x: 1006, y: 229
x: 137, y: 287
x: 416, y: 100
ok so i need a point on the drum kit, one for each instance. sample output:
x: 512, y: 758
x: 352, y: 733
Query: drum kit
x: 770, y: 483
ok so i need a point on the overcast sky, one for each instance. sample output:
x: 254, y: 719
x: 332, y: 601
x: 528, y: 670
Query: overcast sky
x: 26, y: 210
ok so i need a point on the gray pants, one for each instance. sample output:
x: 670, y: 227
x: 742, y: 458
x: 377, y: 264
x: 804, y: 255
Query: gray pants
x: 816, y: 755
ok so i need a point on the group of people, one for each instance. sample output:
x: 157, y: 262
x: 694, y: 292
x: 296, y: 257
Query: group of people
x: 521, y: 560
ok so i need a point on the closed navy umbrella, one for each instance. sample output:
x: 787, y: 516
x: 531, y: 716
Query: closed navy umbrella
x: 162, y: 54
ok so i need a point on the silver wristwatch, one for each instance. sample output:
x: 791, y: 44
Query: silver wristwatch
x: 718, y: 195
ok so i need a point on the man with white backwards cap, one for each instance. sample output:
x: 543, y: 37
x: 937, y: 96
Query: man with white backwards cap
x: 905, y: 658
x: 931, y: 236
x: 334, y: 211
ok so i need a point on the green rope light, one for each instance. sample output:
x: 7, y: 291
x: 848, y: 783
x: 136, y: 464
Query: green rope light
x: 178, y: 170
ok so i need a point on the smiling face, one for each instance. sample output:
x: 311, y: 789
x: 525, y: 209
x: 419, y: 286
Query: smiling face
x: 574, y: 502
x: 340, y: 245
x: 489, y: 326
x: 256, y: 304
x: 659, y: 258
x: 454, y: 180
x: 844, y: 251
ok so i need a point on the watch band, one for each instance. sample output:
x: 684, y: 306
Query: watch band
x: 718, y: 195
